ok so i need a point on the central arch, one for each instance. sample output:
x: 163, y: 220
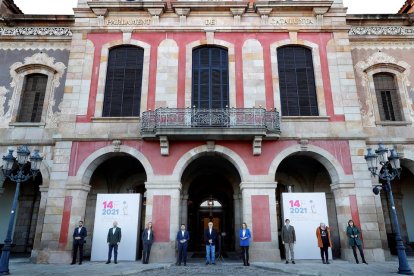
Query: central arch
x: 211, y: 192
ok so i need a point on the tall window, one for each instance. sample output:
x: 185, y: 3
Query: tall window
x: 297, y: 81
x: 387, y: 97
x: 210, y: 78
x: 123, y: 82
x: 33, y: 98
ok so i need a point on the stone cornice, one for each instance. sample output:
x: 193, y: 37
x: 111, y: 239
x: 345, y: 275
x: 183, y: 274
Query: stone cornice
x: 35, y: 31
x: 207, y: 5
x: 126, y: 6
x: 381, y: 31
x: 303, y: 5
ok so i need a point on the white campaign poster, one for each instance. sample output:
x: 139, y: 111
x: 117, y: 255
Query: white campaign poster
x: 306, y: 211
x: 125, y: 209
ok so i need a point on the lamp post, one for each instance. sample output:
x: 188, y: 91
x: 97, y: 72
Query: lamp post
x: 390, y: 169
x: 15, y: 168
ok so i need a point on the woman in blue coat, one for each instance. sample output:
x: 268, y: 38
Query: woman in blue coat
x: 245, y: 236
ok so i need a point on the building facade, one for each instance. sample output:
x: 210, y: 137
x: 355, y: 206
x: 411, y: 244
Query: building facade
x: 210, y: 110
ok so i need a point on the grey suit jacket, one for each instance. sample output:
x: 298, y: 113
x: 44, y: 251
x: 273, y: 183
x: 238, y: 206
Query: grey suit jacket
x: 288, y: 234
x: 114, y: 238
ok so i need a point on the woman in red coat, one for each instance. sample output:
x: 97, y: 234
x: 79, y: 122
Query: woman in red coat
x: 324, y: 241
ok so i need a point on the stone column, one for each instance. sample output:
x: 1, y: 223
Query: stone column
x: 259, y: 212
x: 39, y: 224
x: 163, y: 210
x: 238, y: 218
x: 184, y: 209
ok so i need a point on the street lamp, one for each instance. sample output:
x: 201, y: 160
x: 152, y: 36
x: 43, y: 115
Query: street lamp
x: 14, y: 168
x: 390, y: 169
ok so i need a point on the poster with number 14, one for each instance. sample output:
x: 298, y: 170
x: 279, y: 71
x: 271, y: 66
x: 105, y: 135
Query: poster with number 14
x: 305, y: 211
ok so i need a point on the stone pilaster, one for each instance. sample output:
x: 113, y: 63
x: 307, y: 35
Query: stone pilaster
x: 261, y: 248
x: 158, y: 193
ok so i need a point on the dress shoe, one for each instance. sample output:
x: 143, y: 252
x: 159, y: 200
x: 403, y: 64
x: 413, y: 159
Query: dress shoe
x: 207, y: 263
x: 248, y: 264
x: 286, y: 262
x: 178, y: 264
x: 327, y: 262
x: 72, y: 263
x: 213, y: 263
x: 80, y: 263
x: 185, y: 264
x: 323, y: 261
x: 108, y: 262
x: 364, y: 262
x: 115, y: 262
x: 293, y: 262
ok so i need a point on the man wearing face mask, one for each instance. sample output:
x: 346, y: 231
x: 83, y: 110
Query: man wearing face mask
x: 289, y: 240
x: 79, y: 235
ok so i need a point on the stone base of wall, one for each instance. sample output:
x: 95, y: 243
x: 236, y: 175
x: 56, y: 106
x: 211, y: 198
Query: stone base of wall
x: 371, y: 255
x: 163, y: 252
x: 264, y: 252
x: 51, y: 257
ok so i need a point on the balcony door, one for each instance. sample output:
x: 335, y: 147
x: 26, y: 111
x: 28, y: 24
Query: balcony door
x: 210, y: 79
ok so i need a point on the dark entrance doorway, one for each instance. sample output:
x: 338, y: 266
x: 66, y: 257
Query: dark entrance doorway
x: 211, y: 183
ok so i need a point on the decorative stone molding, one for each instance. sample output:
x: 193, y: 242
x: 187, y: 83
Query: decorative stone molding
x: 304, y: 144
x: 381, y: 62
x: 4, y: 116
x: 164, y: 145
x: 264, y: 14
x: 38, y: 63
x: 155, y: 13
x: 35, y: 31
x: 257, y: 145
x: 117, y: 145
x: 237, y: 13
x: 183, y: 13
x: 211, y: 145
x: 319, y: 12
x: 382, y: 30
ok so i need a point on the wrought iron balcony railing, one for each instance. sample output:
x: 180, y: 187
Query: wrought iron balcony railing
x: 159, y: 121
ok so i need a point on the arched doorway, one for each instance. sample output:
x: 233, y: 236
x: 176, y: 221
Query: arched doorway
x: 403, y: 191
x: 26, y: 214
x: 304, y: 174
x: 119, y: 173
x: 211, y: 193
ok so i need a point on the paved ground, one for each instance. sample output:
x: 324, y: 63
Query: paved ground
x: 337, y: 267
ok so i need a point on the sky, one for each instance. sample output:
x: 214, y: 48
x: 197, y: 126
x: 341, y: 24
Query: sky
x: 65, y: 6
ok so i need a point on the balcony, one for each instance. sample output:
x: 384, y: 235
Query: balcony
x: 210, y: 124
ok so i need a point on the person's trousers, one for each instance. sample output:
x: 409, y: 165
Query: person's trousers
x: 324, y: 251
x: 77, y: 246
x: 113, y: 247
x: 289, y: 251
x: 182, y: 252
x: 210, y: 249
x: 361, y: 252
x: 146, y: 253
x: 245, y: 254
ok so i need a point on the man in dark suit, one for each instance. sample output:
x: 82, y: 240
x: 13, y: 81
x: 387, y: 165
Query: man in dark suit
x: 182, y: 239
x: 210, y: 236
x: 113, y: 240
x: 79, y: 235
x: 147, y: 239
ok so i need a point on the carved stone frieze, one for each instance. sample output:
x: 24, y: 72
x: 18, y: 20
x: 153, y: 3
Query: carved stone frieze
x: 382, y: 30
x: 35, y: 31
x: 4, y: 116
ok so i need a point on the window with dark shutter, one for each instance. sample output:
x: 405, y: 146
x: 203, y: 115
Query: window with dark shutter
x: 387, y: 97
x: 123, y: 82
x: 210, y: 78
x: 297, y: 81
x: 33, y: 97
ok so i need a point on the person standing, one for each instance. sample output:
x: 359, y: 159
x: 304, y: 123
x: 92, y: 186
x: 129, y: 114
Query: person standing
x: 113, y: 239
x: 289, y: 240
x: 354, y: 240
x: 210, y: 237
x: 323, y: 234
x: 147, y: 240
x: 245, y: 236
x: 182, y: 239
x: 79, y: 235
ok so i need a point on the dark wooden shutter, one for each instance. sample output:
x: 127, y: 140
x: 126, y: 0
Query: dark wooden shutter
x: 297, y: 81
x: 387, y: 97
x: 210, y: 78
x: 123, y: 82
x: 33, y: 97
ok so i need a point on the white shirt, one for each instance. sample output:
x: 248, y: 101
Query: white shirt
x: 79, y: 229
x: 149, y: 233
x: 113, y: 230
x: 210, y: 230
x: 182, y: 233
x: 244, y: 232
